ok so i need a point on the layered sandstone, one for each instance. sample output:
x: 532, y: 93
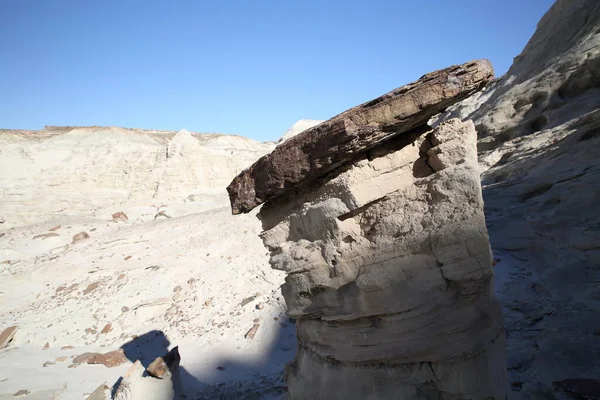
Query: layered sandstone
x: 389, y: 275
x: 387, y: 258
x: 333, y: 143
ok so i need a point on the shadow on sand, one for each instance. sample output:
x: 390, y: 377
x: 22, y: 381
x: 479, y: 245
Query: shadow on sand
x: 225, y: 378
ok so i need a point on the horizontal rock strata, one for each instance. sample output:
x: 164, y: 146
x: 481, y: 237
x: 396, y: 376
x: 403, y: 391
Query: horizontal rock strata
x: 329, y: 145
x: 389, y: 274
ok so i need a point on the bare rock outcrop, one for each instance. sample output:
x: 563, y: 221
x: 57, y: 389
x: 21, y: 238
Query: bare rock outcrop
x: 388, y: 265
x: 539, y: 140
x: 325, y: 147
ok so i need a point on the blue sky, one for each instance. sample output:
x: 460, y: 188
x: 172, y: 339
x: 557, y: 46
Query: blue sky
x: 244, y: 67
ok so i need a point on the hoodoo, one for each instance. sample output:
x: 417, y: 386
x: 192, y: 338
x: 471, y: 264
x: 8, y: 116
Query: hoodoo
x: 378, y: 222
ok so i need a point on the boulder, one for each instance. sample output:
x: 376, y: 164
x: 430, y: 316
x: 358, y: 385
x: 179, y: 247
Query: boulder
x: 325, y: 147
x: 389, y: 274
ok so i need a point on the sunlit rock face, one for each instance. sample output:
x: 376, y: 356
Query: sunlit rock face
x: 389, y: 275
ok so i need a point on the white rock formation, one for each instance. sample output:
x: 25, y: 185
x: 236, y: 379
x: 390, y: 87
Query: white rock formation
x: 299, y: 127
x: 389, y: 275
x: 91, y: 170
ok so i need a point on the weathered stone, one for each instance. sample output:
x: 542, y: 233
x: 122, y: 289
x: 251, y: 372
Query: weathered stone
x: 80, y: 237
x: 22, y: 392
x: 111, y: 359
x: 389, y: 275
x: 7, y: 336
x: 321, y: 149
x: 120, y: 217
x: 107, y: 328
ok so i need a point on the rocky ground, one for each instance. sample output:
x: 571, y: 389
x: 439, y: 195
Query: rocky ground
x: 180, y: 270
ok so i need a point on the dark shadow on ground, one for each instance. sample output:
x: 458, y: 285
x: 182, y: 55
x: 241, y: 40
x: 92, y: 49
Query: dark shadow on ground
x: 231, y: 378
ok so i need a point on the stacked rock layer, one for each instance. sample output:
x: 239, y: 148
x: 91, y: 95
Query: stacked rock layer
x: 389, y: 273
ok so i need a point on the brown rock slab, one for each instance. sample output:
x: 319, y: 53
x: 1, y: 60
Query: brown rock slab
x: 80, y: 237
x: 22, y: 392
x: 320, y: 149
x: 82, y: 358
x: 7, y: 336
x: 111, y: 359
x: 67, y: 347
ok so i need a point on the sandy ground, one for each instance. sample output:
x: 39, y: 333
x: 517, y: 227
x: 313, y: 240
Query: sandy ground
x: 171, y: 281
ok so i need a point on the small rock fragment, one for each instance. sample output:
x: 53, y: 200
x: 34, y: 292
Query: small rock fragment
x: 161, y: 214
x: 22, y: 392
x: 80, y: 237
x: 107, y: 328
x: 127, y: 258
x: 260, y: 306
x: 120, y: 217
x: 7, y: 336
x: 124, y: 309
x: 247, y: 300
x: 61, y: 359
x: 47, y: 363
x: 67, y: 348
x: 91, y: 287
x: 45, y: 235
x: 158, y: 368
x: 57, y: 227
x: 220, y: 368
x: 250, y: 334
x: 46, y: 346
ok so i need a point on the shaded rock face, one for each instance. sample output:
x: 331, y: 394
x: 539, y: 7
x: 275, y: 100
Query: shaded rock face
x: 389, y: 275
x: 541, y: 192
